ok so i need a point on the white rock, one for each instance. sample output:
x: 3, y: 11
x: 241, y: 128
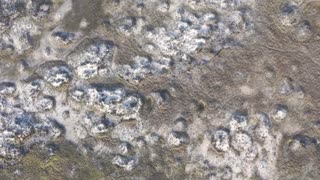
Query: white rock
x: 114, y: 101
x: 17, y: 34
x: 127, y: 25
x: 250, y: 154
x: 239, y: 121
x: 77, y: 95
x: 7, y: 88
x: 221, y: 140
x: 144, y: 67
x: 124, y: 148
x: 96, y: 124
x: 280, y: 112
x: 241, y: 142
x: 45, y: 103
x: 98, y: 129
x: 128, y: 163
x: 33, y: 88
x: 58, y: 79
x: 289, y: 13
x: 91, y: 55
x: 177, y: 138
x: 56, y: 73
x: 87, y: 71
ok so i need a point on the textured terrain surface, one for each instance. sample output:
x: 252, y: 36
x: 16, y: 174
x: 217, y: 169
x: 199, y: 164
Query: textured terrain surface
x: 160, y: 89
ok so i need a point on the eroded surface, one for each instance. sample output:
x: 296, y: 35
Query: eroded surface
x: 159, y: 89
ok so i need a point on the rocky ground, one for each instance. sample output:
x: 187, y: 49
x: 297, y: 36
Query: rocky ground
x: 159, y: 89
